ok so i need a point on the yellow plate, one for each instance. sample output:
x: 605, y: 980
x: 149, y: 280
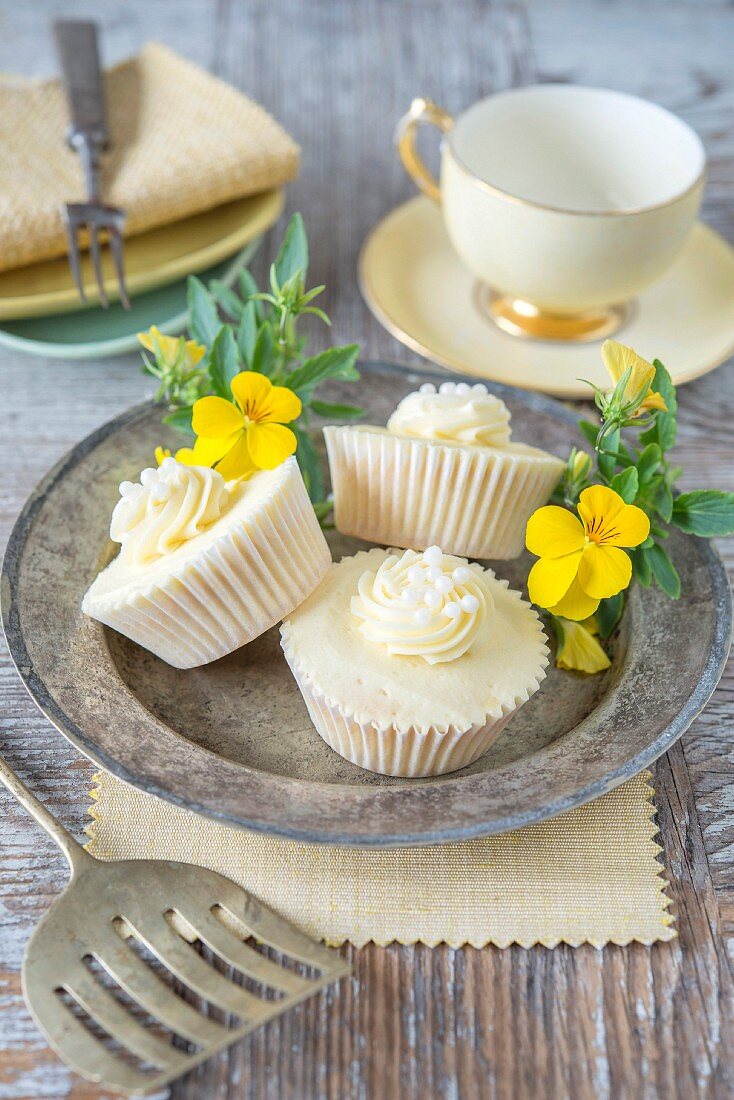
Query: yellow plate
x: 416, y: 286
x: 152, y: 259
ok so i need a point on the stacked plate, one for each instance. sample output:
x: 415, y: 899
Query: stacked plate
x: 40, y: 309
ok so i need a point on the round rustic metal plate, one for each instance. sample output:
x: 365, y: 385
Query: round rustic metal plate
x: 233, y: 740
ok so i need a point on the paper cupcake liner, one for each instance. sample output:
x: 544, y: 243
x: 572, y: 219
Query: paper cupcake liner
x: 408, y: 753
x: 410, y: 493
x: 256, y: 573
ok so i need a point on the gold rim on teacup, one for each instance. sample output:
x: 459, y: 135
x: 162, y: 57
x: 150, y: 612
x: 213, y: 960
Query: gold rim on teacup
x: 559, y: 271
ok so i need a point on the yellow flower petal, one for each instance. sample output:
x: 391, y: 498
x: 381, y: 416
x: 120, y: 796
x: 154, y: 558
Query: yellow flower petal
x: 168, y: 346
x: 552, y: 532
x: 270, y: 444
x: 216, y: 418
x: 551, y: 578
x: 598, y: 504
x: 604, y: 571
x: 631, y: 526
x: 580, y: 651
x: 161, y: 453
x: 237, y: 463
x: 575, y: 604
x: 618, y: 358
x: 251, y: 390
x: 282, y: 406
x: 206, y: 452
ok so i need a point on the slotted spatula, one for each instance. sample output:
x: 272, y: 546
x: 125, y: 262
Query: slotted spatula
x: 114, y: 1016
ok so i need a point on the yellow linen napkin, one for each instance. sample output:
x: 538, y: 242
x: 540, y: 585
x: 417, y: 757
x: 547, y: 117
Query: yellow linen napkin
x: 590, y: 876
x: 181, y: 142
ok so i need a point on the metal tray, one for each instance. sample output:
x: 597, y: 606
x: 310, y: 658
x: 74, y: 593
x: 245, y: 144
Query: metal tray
x: 233, y: 740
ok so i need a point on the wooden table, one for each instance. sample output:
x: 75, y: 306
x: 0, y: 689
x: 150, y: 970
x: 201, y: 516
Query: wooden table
x: 622, y: 1022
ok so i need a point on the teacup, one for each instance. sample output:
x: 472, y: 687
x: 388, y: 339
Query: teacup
x: 564, y: 201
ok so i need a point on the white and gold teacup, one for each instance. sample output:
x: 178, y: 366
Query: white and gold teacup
x: 563, y: 201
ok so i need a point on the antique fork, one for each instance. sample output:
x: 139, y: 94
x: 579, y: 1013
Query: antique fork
x: 78, y: 51
x: 99, y: 972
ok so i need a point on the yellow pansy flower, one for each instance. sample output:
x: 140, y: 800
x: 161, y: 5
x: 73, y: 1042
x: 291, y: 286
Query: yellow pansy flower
x: 168, y: 347
x: 248, y: 434
x: 618, y: 359
x: 579, y: 651
x: 582, y: 560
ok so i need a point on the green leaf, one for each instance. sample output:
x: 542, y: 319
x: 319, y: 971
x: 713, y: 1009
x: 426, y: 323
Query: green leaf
x: 323, y: 509
x: 226, y: 299
x: 589, y: 431
x: 664, y: 501
x: 204, y: 320
x: 663, y: 570
x: 333, y: 363
x: 247, y: 333
x: 336, y: 412
x: 310, y: 464
x: 626, y: 484
x: 648, y: 462
x: 641, y: 567
x: 224, y: 362
x: 248, y: 288
x: 705, y: 512
x: 180, y: 419
x: 608, y: 614
x: 663, y: 431
x: 263, y: 351
x: 293, y: 255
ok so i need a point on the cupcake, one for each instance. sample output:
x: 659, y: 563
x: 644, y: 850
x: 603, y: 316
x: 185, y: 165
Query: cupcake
x: 444, y: 470
x: 411, y: 664
x: 206, y: 565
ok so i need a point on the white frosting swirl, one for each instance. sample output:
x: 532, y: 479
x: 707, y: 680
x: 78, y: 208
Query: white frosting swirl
x: 457, y: 412
x: 171, y: 504
x: 428, y: 605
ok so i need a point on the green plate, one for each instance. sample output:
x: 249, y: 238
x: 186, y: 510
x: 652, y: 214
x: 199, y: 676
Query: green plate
x: 101, y: 333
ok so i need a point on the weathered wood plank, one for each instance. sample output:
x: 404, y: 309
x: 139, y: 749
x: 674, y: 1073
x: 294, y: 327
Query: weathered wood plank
x: 412, y: 1022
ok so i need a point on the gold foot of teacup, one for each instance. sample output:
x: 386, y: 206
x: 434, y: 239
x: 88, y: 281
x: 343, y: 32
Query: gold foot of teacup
x: 522, y: 319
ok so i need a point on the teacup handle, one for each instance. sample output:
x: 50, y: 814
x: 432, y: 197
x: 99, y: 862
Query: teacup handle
x: 421, y: 111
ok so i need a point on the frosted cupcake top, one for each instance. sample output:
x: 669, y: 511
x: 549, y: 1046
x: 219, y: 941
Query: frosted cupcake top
x: 428, y: 605
x: 169, y: 506
x: 456, y: 412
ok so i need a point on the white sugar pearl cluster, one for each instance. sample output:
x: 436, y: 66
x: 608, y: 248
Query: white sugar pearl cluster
x: 429, y: 585
x: 463, y: 389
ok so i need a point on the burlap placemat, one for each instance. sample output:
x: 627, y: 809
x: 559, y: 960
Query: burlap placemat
x: 181, y: 142
x: 590, y: 876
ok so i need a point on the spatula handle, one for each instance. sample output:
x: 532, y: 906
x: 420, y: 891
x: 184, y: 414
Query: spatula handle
x: 69, y: 846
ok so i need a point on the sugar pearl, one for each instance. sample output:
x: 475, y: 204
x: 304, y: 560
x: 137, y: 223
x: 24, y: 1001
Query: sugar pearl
x: 422, y: 616
x: 148, y: 476
x: 447, y: 387
x: 452, y: 610
x: 469, y: 603
x: 427, y: 387
x: 444, y: 584
x: 461, y: 574
x: 432, y: 598
x: 433, y: 555
x: 415, y: 574
x: 463, y: 388
x: 168, y: 464
x: 127, y: 488
x: 433, y: 573
x: 479, y: 390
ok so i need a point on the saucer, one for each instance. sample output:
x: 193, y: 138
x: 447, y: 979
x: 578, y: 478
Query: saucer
x: 102, y: 333
x: 416, y: 286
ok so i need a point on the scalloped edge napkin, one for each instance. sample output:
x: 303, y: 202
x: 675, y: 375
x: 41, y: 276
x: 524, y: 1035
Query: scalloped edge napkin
x: 591, y: 876
x: 181, y: 142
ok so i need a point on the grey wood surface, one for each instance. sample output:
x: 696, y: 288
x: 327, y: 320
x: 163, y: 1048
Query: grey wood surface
x: 623, y: 1022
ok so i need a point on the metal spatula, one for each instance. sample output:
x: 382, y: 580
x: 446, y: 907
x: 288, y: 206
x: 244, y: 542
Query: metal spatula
x: 103, y: 971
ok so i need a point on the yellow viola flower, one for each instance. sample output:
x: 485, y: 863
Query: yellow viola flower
x: 618, y: 359
x: 581, y: 560
x: 168, y: 346
x: 578, y: 650
x: 249, y: 433
x: 161, y: 453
